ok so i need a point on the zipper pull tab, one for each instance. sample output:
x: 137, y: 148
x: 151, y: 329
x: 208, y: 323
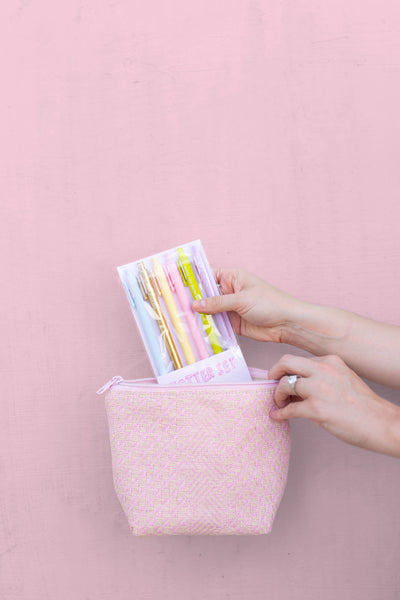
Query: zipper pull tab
x: 109, y: 383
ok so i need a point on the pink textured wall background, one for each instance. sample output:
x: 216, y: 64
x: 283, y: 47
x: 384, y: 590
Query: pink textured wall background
x: 269, y: 130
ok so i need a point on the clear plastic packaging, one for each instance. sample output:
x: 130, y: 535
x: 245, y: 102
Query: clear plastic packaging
x: 183, y: 346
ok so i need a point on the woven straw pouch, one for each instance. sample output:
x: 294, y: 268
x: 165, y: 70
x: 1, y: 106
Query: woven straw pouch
x: 197, y: 459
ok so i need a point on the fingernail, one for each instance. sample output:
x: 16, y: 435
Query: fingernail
x: 273, y: 411
x: 199, y: 304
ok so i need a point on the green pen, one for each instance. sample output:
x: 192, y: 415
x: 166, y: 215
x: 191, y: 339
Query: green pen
x: 189, y: 278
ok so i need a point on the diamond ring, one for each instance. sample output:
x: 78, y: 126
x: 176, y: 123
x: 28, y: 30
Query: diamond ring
x: 292, y: 380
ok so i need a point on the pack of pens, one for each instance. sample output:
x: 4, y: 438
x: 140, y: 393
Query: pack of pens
x: 183, y: 345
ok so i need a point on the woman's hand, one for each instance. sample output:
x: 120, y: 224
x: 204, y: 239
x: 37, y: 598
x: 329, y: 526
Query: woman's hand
x: 333, y: 396
x: 255, y: 308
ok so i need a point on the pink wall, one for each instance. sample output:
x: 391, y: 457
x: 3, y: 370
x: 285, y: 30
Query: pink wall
x: 269, y: 130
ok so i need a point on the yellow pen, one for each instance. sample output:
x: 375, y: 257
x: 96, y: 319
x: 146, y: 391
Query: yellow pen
x: 163, y: 289
x: 190, y: 279
x: 150, y: 294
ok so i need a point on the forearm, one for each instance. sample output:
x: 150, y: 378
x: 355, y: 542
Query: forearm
x: 370, y: 348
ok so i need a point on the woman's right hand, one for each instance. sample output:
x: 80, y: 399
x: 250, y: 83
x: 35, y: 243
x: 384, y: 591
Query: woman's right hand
x: 255, y: 308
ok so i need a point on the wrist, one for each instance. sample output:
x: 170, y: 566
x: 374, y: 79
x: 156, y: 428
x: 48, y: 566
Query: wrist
x: 317, y: 328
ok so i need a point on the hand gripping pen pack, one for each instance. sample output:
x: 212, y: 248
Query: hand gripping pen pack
x: 183, y: 346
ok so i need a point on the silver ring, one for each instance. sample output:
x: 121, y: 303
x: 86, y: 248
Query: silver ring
x: 292, y: 380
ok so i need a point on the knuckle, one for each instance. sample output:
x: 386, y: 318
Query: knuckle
x: 330, y: 372
x: 216, y: 301
x: 208, y: 304
x: 286, y: 358
x: 326, y: 367
x: 279, y: 393
x: 213, y: 303
x: 291, y: 411
x: 301, y: 387
x: 241, y: 301
x: 237, y: 276
x: 334, y: 359
x: 285, y: 412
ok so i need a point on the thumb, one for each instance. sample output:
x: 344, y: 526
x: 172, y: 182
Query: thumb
x: 215, y: 304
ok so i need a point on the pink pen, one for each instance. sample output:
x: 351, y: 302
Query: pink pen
x: 176, y: 285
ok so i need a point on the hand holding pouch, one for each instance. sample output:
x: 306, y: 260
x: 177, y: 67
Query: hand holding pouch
x: 198, y: 458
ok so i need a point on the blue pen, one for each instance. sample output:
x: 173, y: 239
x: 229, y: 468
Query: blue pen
x: 211, y: 289
x: 137, y: 302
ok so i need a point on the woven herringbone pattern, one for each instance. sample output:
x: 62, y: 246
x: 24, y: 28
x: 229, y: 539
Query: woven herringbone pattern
x: 205, y: 460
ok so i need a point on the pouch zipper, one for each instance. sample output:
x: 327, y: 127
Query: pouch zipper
x: 151, y: 382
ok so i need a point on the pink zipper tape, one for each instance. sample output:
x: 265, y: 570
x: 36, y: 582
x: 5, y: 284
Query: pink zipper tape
x: 152, y: 381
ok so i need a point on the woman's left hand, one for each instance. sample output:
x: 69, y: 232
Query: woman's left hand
x: 336, y: 398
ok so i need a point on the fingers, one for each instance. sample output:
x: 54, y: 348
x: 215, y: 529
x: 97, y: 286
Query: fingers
x: 293, y: 410
x: 220, y: 273
x: 236, y: 279
x: 284, y: 390
x: 215, y: 304
x: 291, y: 364
x: 305, y: 386
x: 285, y: 408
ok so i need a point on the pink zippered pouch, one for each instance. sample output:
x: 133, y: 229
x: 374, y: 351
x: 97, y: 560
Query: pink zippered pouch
x: 197, y: 459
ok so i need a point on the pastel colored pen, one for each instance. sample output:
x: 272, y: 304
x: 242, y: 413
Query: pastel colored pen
x: 161, y: 322
x: 210, y: 288
x: 188, y: 275
x: 176, y: 285
x: 136, y: 300
x: 164, y: 290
